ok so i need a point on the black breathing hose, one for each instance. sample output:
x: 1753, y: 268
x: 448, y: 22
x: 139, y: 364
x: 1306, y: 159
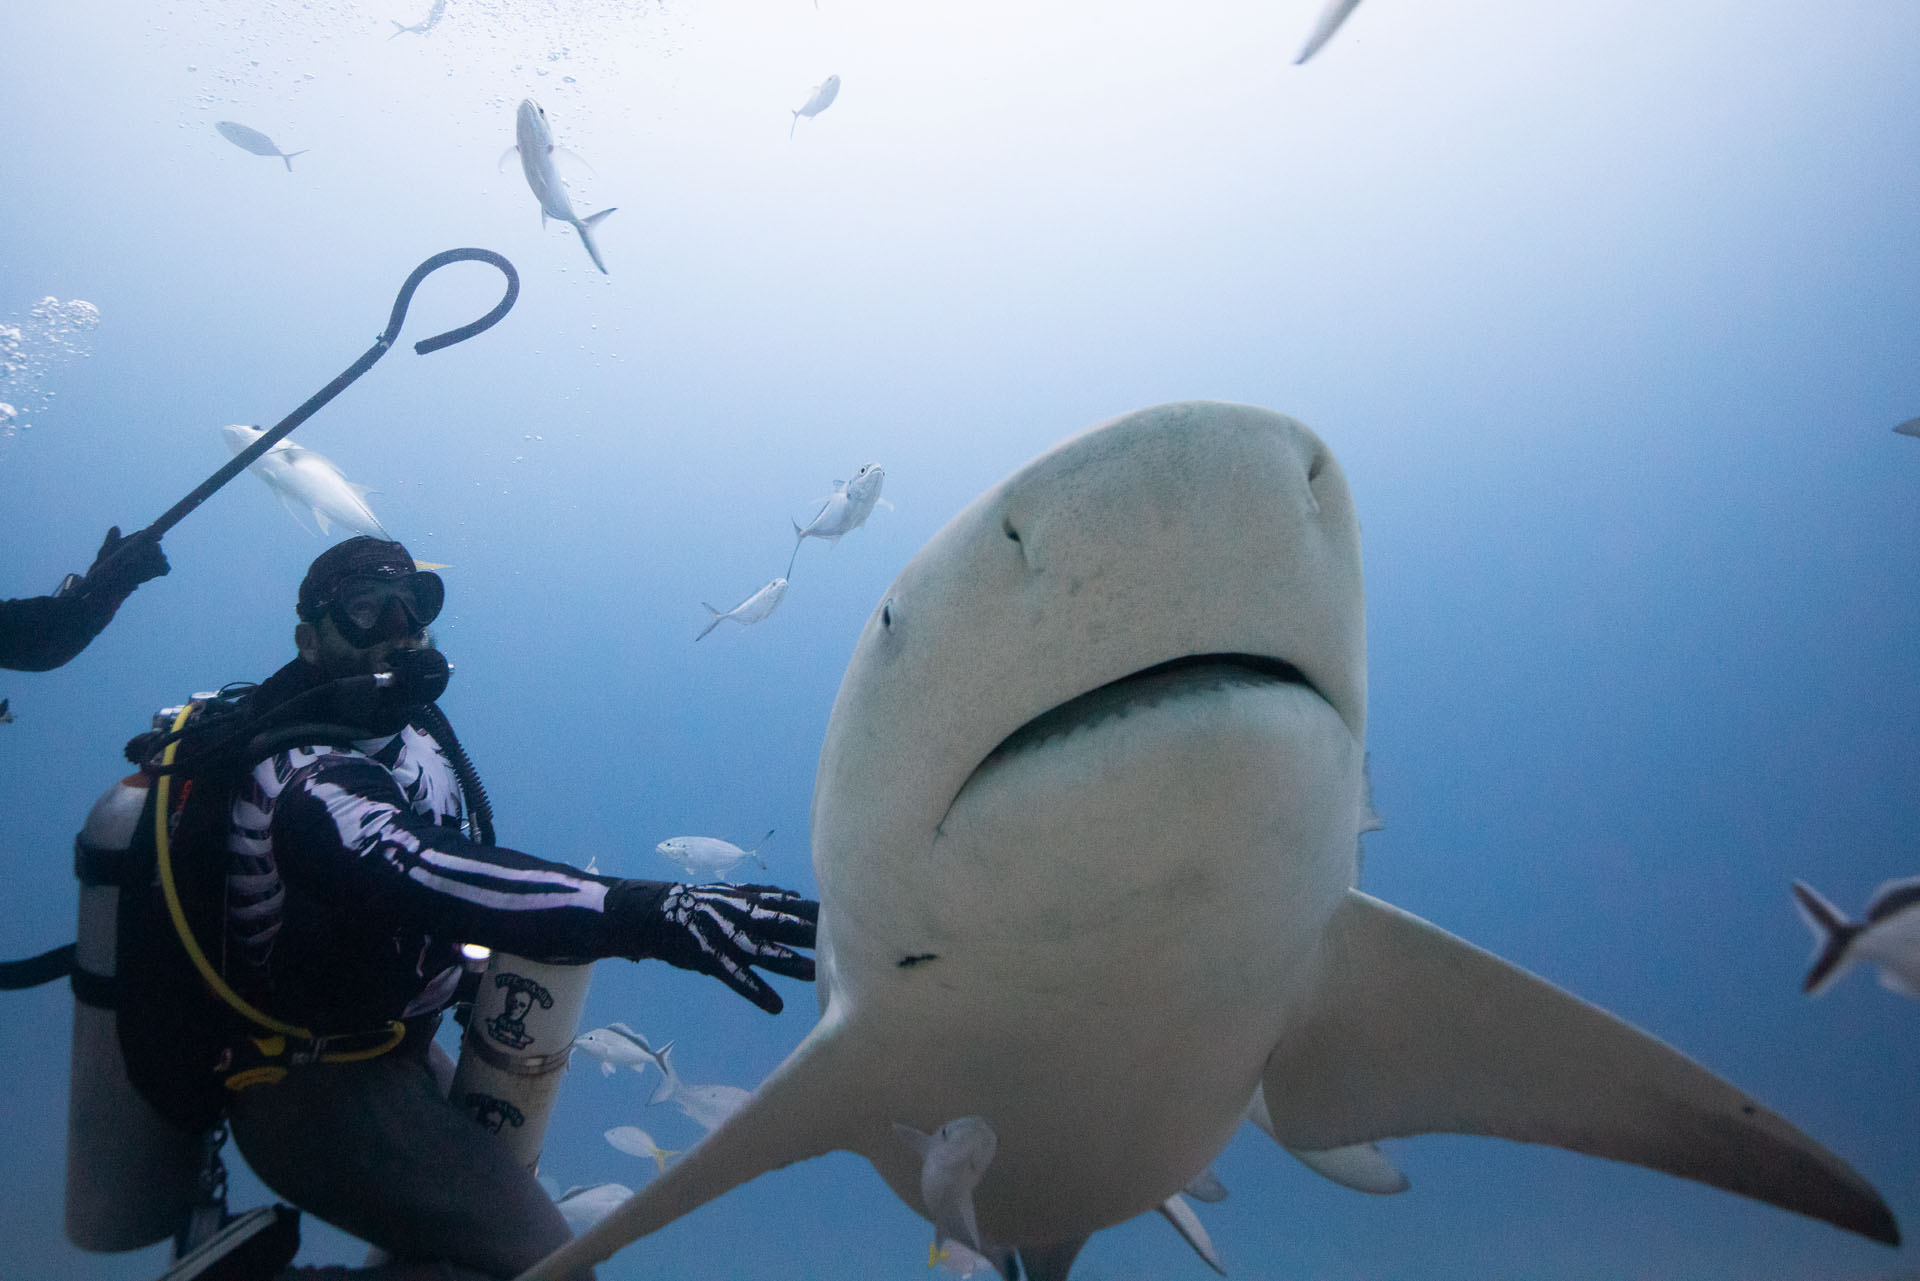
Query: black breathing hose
x: 479, y: 809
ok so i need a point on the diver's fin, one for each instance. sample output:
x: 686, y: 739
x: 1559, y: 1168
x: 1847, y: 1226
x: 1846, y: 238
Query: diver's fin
x: 1323, y: 28
x: 1188, y: 1225
x: 585, y: 227
x: 1414, y: 1031
x: 797, y: 1113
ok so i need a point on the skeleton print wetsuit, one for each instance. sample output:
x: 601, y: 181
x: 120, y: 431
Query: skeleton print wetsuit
x: 351, y: 886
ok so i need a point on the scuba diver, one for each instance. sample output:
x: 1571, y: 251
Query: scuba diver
x: 352, y: 863
x: 40, y: 633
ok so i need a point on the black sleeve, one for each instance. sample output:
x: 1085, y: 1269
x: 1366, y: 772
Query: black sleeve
x: 39, y: 633
x: 343, y: 831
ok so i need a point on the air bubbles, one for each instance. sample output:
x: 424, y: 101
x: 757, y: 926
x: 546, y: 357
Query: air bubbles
x: 52, y: 334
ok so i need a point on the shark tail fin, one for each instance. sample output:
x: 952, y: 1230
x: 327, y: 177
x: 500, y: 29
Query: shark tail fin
x: 289, y: 155
x: 797, y: 1113
x: 713, y: 622
x: 1412, y: 1031
x: 585, y: 227
x: 1833, y: 936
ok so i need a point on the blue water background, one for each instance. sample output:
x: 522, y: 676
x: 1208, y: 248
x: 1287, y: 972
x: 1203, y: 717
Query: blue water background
x: 1607, y: 309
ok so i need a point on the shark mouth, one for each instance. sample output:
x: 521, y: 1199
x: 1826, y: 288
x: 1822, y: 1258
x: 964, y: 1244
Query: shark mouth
x: 1148, y: 687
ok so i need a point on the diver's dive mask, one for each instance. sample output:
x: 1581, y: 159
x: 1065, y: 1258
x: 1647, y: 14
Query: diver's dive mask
x: 367, y: 610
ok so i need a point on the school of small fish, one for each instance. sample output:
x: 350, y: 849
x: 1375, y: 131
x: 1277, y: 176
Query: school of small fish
x: 840, y: 513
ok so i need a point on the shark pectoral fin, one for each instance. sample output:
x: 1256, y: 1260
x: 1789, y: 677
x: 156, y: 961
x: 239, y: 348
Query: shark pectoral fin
x: 797, y: 1113
x: 1359, y: 1166
x: 1414, y: 1031
x: 1188, y: 1225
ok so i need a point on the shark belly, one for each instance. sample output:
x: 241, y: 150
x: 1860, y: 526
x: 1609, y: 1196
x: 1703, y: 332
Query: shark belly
x: 1110, y: 927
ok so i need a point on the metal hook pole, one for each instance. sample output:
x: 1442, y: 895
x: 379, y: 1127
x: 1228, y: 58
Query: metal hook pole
x: 319, y: 399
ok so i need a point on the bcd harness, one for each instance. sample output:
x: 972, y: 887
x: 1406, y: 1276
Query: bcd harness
x: 278, y: 1043
x: 189, y: 1039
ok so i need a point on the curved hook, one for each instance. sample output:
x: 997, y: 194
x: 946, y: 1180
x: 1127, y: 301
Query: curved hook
x: 267, y: 440
x: 465, y: 331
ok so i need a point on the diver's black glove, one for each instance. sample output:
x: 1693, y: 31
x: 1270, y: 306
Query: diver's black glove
x: 143, y: 560
x: 723, y: 930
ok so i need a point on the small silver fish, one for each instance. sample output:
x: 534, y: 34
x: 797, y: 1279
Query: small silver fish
x: 751, y: 610
x: 582, y: 1207
x: 307, y: 482
x: 615, y: 1046
x: 6, y: 717
x: 534, y: 141
x: 818, y: 101
x: 708, y: 858
x: 843, y: 511
x: 953, y: 1160
x: 1911, y: 427
x: 705, y: 1105
x: 1889, y: 936
x: 635, y: 1141
x: 421, y: 28
x: 253, y: 140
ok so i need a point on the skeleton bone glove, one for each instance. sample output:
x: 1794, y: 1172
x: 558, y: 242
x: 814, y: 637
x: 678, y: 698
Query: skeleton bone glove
x: 723, y: 930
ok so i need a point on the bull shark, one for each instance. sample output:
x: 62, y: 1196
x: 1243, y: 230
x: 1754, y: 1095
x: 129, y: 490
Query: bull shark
x: 534, y: 141
x: 1093, y: 788
x: 309, y: 484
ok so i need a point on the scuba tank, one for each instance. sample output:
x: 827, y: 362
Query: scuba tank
x: 521, y: 1031
x: 145, y: 1105
x: 132, y: 1175
x: 525, y: 1013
